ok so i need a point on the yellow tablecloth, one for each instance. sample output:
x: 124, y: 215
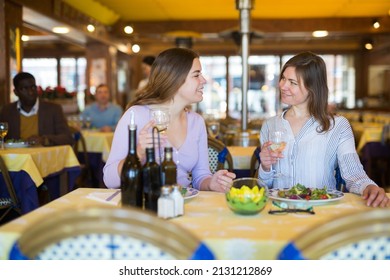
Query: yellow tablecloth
x: 241, y: 156
x: 366, y: 132
x: 39, y: 162
x: 98, y: 142
x: 229, y: 236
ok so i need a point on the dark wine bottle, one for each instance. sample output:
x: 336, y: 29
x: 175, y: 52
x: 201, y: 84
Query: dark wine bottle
x: 151, y: 180
x: 168, y: 168
x: 131, y: 175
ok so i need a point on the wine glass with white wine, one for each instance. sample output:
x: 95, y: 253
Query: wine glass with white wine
x: 3, y: 133
x: 278, y: 138
x: 161, y: 118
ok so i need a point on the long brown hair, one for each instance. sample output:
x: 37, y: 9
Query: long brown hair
x: 168, y: 73
x: 311, y: 68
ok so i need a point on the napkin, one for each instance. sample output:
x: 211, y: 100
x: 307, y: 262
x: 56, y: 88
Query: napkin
x: 112, y: 198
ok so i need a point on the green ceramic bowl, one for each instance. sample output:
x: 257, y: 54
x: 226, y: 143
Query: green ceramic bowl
x: 247, y: 196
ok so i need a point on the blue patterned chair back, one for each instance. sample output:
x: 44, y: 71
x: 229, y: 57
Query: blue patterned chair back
x: 340, y: 183
x: 107, y: 233
x: 359, y: 236
x: 219, y: 155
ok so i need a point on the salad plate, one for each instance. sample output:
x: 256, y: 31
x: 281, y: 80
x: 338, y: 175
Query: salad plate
x: 280, y: 195
x: 190, y: 193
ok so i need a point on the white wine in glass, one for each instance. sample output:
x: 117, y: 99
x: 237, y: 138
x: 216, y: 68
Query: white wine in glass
x: 279, y: 142
x: 161, y: 118
x: 3, y: 133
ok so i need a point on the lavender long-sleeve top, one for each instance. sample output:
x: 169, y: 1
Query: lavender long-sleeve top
x: 191, y: 157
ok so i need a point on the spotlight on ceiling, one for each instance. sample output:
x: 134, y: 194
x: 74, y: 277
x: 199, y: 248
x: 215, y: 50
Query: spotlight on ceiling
x: 320, y: 33
x: 60, y: 30
x: 90, y: 28
x: 128, y: 29
x: 135, y: 48
x: 376, y: 24
x: 25, y: 38
x: 368, y: 45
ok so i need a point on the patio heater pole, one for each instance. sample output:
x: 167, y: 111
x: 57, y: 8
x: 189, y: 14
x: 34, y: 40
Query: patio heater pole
x: 244, y: 6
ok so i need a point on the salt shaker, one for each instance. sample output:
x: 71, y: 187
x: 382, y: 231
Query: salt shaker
x: 165, y: 203
x: 178, y: 200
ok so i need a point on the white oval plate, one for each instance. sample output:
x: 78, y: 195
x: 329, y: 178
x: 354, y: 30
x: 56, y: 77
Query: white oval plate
x: 273, y: 194
x: 191, y: 192
x: 16, y: 145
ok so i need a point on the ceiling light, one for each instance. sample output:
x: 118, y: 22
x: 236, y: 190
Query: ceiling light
x: 25, y: 38
x: 60, y: 30
x: 135, y: 48
x: 368, y: 46
x: 128, y: 29
x: 91, y: 28
x: 320, y: 33
x: 376, y: 24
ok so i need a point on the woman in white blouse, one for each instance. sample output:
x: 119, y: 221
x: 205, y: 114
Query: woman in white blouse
x: 317, y: 141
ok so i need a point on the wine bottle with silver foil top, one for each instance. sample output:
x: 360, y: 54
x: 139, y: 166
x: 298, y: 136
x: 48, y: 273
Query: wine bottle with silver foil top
x: 131, y: 175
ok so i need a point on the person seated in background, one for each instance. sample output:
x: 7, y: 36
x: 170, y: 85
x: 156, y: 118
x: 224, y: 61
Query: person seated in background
x: 32, y: 119
x: 176, y: 81
x: 317, y: 140
x: 147, y: 62
x: 103, y: 114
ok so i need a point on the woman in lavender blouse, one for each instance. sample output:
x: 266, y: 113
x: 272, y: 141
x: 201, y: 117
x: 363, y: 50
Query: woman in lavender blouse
x: 175, y: 83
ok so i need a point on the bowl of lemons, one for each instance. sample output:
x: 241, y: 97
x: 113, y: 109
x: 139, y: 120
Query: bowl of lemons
x: 247, y: 196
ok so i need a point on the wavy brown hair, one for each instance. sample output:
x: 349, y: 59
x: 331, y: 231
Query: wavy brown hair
x: 168, y: 73
x: 311, y: 68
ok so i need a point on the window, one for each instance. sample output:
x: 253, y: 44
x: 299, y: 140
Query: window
x: 263, y: 92
x: 43, y: 69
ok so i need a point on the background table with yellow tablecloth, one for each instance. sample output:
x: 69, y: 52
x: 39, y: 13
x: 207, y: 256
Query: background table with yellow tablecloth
x: 98, y: 145
x: 33, y: 166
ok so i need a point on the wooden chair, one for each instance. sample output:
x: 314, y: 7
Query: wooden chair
x: 358, y: 236
x: 219, y: 155
x: 255, y: 162
x: 80, y: 147
x: 124, y: 233
x: 8, y: 204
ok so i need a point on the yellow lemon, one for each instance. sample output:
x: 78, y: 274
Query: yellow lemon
x: 255, y: 190
x: 233, y: 192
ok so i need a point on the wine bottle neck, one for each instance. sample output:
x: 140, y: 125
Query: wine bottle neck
x: 132, y: 141
x: 150, y: 157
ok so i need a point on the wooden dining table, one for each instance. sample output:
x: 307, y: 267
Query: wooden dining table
x: 230, y: 236
x: 31, y: 167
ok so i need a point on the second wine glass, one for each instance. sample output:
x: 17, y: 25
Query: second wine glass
x: 279, y: 142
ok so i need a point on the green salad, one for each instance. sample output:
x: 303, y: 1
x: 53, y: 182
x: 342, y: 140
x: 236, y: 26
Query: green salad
x: 301, y: 192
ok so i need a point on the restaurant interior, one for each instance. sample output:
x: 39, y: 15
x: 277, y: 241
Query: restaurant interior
x: 76, y: 45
